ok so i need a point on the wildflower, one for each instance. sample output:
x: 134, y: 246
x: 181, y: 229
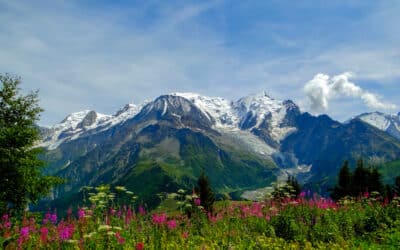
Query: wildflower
x: 171, y: 224
x: 139, y: 246
x: 120, y: 188
x: 197, y: 201
x: 159, y: 219
x: 65, y: 231
x: 120, y: 239
x: 142, y: 211
x: 6, y: 221
x: 44, y: 231
x: 185, y: 235
x: 81, y: 213
x: 53, y: 218
x: 25, y: 232
x: 104, y: 227
x: 24, y: 236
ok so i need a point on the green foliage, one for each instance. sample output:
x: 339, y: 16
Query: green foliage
x: 291, y: 189
x: 21, y: 179
x: 207, y: 196
x: 362, y: 181
x: 397, y: 184
x: 344, y: 183
x: 292, y: 224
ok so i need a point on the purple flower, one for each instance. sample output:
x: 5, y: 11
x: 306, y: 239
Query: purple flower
x: 197, y: 201
x: 142, y: 211
x: 81, y: 213
x: 53, y: 218
x: 65, y: 231
x: 171, y: 224
x: 159, y: 219
x: 25, y: 232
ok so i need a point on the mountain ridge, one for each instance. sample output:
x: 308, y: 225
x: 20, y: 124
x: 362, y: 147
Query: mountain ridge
x: 242, y: 145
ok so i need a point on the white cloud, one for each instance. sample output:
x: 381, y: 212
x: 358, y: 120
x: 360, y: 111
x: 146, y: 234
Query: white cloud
x: 323, y: 88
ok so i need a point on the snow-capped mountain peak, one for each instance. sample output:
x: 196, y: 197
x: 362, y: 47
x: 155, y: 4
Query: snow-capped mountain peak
x: 259, y: 110
x: 71, y: 127
x: 385, y: 122
x: 215, y: 108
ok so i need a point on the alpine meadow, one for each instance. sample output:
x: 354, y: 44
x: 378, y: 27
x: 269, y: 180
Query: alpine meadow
x: 254, y: 125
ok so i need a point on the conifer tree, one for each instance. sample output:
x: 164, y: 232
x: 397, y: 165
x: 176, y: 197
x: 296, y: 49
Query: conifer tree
x: 207, y: 196
x: 397, y: 185
x: 344, y: 185
x: 360, y: 179
x: 293, y: 185
x: 375, y: 181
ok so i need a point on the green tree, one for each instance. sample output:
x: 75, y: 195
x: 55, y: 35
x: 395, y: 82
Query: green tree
x: 291, y: 188
x: 397, y: 185
x: 360, y: 179
x: 21, y: 179
x: 293, y: 185
x: 344, y: 185
x: 207, y: 196
x: 375, y: 181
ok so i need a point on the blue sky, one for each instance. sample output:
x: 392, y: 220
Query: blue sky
x: 103, y: 54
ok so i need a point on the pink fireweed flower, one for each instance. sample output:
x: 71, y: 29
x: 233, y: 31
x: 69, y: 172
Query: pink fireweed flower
x: 53, y: 218
x: 24, y: 236
x: 139, y: 246
x: 50, y: 217
x: 120, y: 239
x: 6, y: 223
x: 159, y: 219
x: 256, y: 209
x: 214, y: 218
x: 142, y: 211
x: 44, y: 231
x: 171, y: 224
x: 185, y: 235
x: 65, y: 231
x: 81, y: 213
x: 24, y: 232
x: 197, y: 201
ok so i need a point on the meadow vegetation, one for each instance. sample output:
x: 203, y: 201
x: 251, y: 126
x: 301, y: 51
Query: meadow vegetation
x: 303, y: 222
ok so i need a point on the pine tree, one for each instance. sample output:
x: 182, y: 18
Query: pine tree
x: 343, y: 188
x: 207, y: 196
x: 293, y: 185
x: 375, y: 181
x: 360, y: 179
x: 21, y: 181
x: 397, y: 185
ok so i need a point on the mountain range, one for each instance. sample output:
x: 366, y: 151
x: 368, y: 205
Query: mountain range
x: 164, y: 144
